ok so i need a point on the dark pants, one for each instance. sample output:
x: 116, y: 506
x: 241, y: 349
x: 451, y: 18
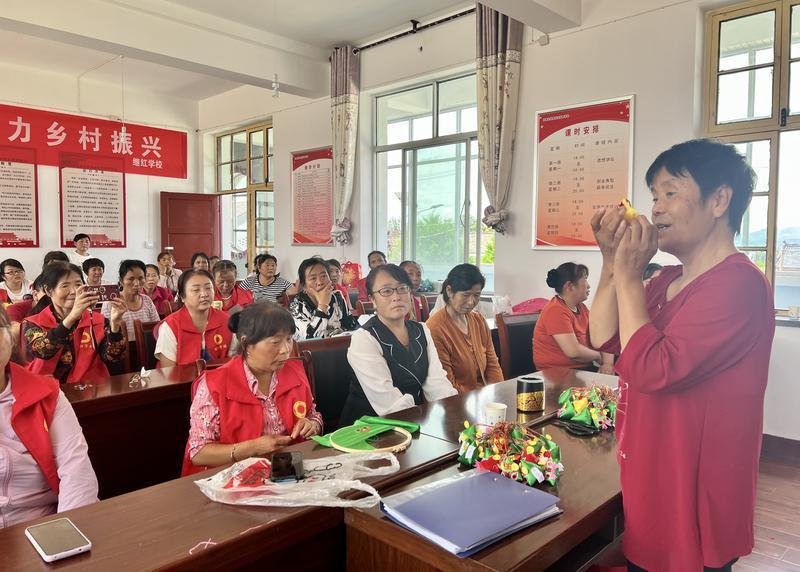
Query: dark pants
x: 727, y: 568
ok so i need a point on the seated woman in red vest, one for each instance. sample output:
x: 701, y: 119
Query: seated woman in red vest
x: 196, y: 331
x: 67, y: 339
x: 45, y: 463
x: 226, y: 290
x: 257, y: 402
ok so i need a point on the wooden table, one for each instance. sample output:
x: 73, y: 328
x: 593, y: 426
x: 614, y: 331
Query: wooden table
x: 136, y: 432
x: 159, y: 526
x: 590, y: 497
x: 445, y: 418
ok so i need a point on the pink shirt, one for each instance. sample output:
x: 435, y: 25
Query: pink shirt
x: 24, y: 492
x: 204, y: 413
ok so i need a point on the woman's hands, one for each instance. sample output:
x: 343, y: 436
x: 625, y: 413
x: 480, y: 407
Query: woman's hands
x: 323, y: 296
x: 266, y: 444
x: 635, y: 249
x: 608, y: 224
x: 118, y: 308
x: 304, y: 428
x: 85, y: 297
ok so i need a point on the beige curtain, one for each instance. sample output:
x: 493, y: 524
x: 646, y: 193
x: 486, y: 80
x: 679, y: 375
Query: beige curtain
x: 345, y: 87
x: 499, y: 50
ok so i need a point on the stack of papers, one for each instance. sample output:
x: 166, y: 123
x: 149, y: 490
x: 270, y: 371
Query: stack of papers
x: 470, y: 511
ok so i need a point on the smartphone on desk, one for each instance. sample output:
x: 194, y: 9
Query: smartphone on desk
x: 57, y: 539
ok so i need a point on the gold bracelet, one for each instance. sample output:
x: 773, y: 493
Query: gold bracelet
x: 233, y: 453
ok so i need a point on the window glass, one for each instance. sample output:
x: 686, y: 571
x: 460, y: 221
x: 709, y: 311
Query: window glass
x: 787, y: 231
x: 395, y: 113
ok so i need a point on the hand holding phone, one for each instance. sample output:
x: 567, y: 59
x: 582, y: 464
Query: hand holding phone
x: 57, y: 539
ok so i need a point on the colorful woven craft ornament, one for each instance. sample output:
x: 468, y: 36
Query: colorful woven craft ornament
x: 594, y: 406
x: 512, y: 450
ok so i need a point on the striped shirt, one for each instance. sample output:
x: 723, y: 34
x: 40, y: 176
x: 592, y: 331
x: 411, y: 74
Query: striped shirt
x: 269, y: 292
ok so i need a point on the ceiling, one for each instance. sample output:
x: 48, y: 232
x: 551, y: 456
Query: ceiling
x: 326, y: 23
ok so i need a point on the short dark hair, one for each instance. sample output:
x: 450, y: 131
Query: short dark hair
x: 224, y: 266
x: 164, y: 253
x: 54, y: 256
x: 127, y: 265
x: 409, y: 263
x: 376, y: 252
x: 80, y: 236
x: 260, y: 321
x: 392, y: 270
x: 567, y: 272
x: 13, y: 263
x: 651, y: 269
x: 197, y: 255
x: 186, y: 274
x: 92, y: 263
x: 309, y: 263
x: 334, y: 262
x: 262, y: 258
x: 53, y: 273
x: 153, y: 266
x: 712, y: 164
x: 461, y: 278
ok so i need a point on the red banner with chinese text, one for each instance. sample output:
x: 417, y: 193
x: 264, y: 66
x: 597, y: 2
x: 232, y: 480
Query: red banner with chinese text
x: 144, y: 150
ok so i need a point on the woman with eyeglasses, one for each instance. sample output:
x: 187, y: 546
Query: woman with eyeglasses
x: 319, y: 310
x: 394, y: 359
x: 13, y: 282
x: 131, y: 290
x: 45, y: 464
x: 67, y: 339
x: 461, y: 335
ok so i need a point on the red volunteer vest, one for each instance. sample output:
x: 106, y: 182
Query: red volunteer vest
x: 217, y: 335
x: 35, y: 398
x: 87, y: 364
x: 239, y: 297
x: 241, y: 415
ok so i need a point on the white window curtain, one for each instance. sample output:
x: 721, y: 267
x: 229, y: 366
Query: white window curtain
x: 499, y: 54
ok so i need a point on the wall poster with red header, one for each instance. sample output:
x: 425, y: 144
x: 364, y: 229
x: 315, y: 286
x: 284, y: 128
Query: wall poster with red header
x: 92, y: 200
x: 19, y: 213
x: 584, y: 161
x: 312, y: 196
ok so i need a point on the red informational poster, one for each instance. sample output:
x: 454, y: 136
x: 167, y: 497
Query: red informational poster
x: 312, y: 196
x: 142, y: 149
x: 19, y: 212
x: 584, y: 161
x: 92, y: 200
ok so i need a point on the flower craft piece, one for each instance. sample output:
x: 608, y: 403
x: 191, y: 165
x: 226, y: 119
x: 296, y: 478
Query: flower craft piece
x: 594, y: 406
x: 512, y: 450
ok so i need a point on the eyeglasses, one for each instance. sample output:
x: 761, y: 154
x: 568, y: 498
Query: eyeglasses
x: 388, y: 291
x: 14, y: 272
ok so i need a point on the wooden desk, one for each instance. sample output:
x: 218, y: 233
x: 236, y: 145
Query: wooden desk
x: 445, y: 418
x: 590, y: 497
x: 136, y: 433
x: 157, y: 527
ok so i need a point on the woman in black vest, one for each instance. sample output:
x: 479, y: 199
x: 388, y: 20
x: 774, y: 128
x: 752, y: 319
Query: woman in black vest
x: 394, y: 359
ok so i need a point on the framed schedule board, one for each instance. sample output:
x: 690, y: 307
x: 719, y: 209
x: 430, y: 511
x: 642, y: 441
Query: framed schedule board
x: 584, y: 161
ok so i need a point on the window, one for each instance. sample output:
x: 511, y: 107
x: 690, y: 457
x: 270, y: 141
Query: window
x: 429, y: 196
x: 244, y: 168
x: 753, y: 101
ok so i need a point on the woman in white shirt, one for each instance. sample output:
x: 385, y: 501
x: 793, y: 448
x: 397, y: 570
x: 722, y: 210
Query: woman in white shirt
x: 394, y: 359
x: 13, y: 280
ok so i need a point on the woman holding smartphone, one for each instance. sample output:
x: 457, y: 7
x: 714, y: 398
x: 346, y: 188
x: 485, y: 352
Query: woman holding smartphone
x: 43, y: 454
x: 67, y: 339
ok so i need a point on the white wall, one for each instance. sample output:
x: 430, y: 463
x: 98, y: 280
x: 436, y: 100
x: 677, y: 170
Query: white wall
x: 34, y: 88
x: 782, y: 401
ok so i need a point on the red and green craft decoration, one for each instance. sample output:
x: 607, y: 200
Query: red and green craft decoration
x: 512, y: 450
x: 594, y: 406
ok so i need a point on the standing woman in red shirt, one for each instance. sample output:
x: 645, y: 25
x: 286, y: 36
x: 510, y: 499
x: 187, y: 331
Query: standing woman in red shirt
x: 561, y: 335
x: 693, y: 369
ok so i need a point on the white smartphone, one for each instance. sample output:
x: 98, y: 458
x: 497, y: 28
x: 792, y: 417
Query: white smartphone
x: 57, y: 539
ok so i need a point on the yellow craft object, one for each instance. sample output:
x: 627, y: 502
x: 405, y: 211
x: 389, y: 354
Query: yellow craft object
x: 630, y: 212
x: 580, y: 405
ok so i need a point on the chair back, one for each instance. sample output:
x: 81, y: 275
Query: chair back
x: 425, y: 309
x: 145, y: 344
x: 353, y: 295
x: 329, y: 374
x: 515, y: 332
x: 283, y: 299
x: 366, y: 308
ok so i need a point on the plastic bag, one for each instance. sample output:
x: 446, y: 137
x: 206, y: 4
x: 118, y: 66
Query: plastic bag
x: 247, y: 482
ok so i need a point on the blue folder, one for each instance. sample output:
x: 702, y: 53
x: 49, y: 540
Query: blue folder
x: 467, y: 513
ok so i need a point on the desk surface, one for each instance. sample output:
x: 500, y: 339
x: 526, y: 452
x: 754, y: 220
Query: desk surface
x: 590, y: 496
x: 445, y: 418
x: 158, y: 526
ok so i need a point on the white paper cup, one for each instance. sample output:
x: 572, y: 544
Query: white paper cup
x: 494, y: 413
x: 794, y: 311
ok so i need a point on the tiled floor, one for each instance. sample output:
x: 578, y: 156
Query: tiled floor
x: 777, y: 521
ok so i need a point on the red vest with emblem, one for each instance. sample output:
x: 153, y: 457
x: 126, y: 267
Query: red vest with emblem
x: 87, y: 364
x: 35, y: 399
x: 241, y: 415
x: 217, y: 335
x: 239, y: 297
